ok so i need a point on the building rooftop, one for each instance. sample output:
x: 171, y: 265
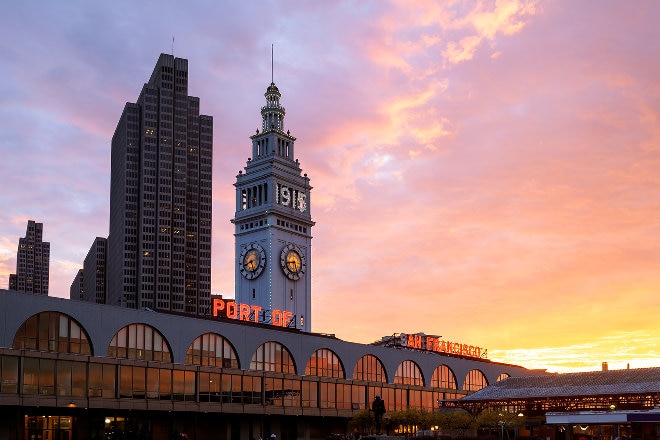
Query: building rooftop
x: 597, y: 383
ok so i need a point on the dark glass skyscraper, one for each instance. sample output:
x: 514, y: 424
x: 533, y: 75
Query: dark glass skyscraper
x: 159, y: 246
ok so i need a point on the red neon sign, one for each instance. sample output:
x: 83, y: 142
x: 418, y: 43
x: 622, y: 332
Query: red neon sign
x: 242, y: 312
x: 433, y: 343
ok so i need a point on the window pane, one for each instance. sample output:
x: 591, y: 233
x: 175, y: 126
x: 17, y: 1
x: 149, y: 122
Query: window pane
x: 30, y: 376
x: 78, y: 379
x: 9, y: 374
x: 63, y: 378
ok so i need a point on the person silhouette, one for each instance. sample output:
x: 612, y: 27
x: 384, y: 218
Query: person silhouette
x: 378, y: 407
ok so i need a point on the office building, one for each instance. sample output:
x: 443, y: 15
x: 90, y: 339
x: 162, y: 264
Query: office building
x: 93, y: 272
x: 76, y: 291
x: 159, y: 245
x: 32, y: 262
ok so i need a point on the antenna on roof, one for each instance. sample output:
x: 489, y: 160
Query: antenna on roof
x: 272, y: 63
x: 172, y: 45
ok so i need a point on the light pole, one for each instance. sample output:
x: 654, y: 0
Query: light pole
x: 501, y: 423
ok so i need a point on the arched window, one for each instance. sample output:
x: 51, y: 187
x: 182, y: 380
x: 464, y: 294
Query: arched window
x: 443, y: 377
x: 52, y: 331
x: 324, y: 362
x: 272, y: 356
x: 474, y: 381
x: 408, y: 373
x: 140, y: 341
x: 503, y: 376
x: 212, y: 349
x: 370, y: 368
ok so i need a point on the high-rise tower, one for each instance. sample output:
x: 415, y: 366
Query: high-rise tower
x: 32, y: 262
x: 159, y: 246
x: 273, y: 225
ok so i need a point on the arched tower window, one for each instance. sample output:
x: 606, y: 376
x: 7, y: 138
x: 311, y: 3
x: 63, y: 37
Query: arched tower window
x: 325, y: 363
x: 272, y: 356
x: 443, y: 377
x: 212, y: 349
x: 474, y: 381
x: 408, y: 373
x: 503, y: 376
x: 140, y: 341
x: 52, y: 331
x: 370, y: 368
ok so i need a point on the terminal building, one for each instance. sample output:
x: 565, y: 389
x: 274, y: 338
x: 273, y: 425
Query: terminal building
x: 80, y: 370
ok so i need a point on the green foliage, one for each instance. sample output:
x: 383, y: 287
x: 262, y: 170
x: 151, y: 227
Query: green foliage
x: 493, y: 417
x: 362, y: 419
x: 453, y: 420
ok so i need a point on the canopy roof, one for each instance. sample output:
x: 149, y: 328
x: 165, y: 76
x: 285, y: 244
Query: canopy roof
x: 598, y: 383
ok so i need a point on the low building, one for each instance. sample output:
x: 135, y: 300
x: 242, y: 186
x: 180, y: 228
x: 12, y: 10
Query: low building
x: 79, y: 370
x: 605, y: 405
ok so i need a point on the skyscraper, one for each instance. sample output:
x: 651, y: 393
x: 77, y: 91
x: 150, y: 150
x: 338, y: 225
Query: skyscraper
x: 159, y: 246
x: 32, y: 262
x: 90, y: 281
x: 273, y: 225
x: 77, y: 289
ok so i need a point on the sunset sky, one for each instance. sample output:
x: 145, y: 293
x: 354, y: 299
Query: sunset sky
x: 488, y: 171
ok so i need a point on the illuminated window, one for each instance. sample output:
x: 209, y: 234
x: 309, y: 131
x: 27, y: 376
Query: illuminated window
x: 140, y: 341
x: 212, y: 349
x: 503, y: 376
x: 52, y: 331
x: 408, y: 373
x: 324, y: 362
x: 474, y: 381
x: 443, y: 377
x: 370, y: 368
x: 272, y: 356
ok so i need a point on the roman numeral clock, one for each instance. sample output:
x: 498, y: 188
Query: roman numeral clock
x: 273, y: 225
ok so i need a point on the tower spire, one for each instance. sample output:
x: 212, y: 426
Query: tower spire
x: 272, y: 63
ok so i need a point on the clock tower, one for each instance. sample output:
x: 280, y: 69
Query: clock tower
x: 273, y: 226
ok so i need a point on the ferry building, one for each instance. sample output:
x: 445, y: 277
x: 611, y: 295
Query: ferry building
x: 248, y: 370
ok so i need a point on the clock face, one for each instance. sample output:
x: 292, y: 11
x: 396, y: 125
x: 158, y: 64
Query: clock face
x: 292, y: 260
x: 252, y: 261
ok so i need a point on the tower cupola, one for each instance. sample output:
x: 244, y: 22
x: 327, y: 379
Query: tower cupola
x: 272, y: 113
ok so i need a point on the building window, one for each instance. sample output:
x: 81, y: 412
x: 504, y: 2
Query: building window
x: 52, y: 331
x: 474, y: 381
x: 71, y: 378
x: 370, y: 368
x: 39, y: 376
x: 325, y: 363
x: 9, y: 374
x: 272, y: 356
x: 212, y: 349
x: 139, y: 341
x: 408, y: 373
x: 102, y: 380
x: 502, y: 377
x: 309, y: 394
x: 443, y: 377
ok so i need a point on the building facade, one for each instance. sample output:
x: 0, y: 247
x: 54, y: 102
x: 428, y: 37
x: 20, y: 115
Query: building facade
x: 76, y: 291
x: 77, y: 370
x: 159, y: 245
x: 94, y: 276
x: 273, y: 225
x: 32, y: 262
